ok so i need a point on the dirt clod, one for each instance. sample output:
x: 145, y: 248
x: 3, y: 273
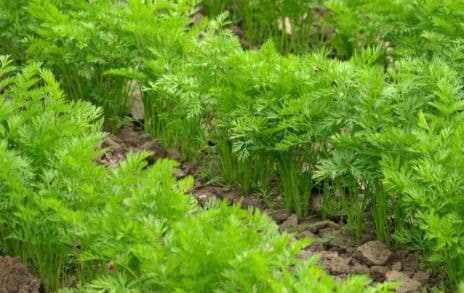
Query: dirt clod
x: 202, y: 198
x: 130, y: 139
x: 396, y: 266
x: 14, y: 277
x: 179, y: 173
x: 278, y: 215
x: 338, y: 238
x: 407, y: 284
x: 421, y: 277
x: 333, y: 263
x: 374, y: 252
x: 378, y: 273
x: 289, y: 224
x: 318, y: 226
x: 357, y: 267
x: 198, y: 17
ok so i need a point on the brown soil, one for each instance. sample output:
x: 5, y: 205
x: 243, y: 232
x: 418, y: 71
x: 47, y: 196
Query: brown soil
x: 339, y: 254
x: 131, y: 139
x: 14, y: 277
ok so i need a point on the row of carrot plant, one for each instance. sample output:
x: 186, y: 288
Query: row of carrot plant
x: 405, y: 27
x: 83, y: 227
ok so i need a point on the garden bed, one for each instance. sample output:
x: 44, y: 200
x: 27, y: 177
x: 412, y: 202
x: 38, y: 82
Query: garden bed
x: 342, y: 120
x: 339, y: 254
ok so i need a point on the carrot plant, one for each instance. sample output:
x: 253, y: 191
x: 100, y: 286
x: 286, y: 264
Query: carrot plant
x: 35, y: 121
x: 390, y: 151
x: 294, y: 26
x: 267, y: 115
x: 13, y: 24
x: 130, y: 227
x: 80, y: 51
x: 96, y: 48
x: 425, y: 178
x: 180, y: 100
x: 265, y: 105
x: 272, y: 126
x: 361, y: 110
x: 375, y: 133
x: 405, y: 28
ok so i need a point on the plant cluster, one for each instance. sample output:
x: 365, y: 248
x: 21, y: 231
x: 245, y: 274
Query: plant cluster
x: 377, y: 130
x: 94, y: 48
x: 383, y: 141
x: 315, y: 124
x: 294, y: 25
x: 129, y: 228
x: 403, y: 27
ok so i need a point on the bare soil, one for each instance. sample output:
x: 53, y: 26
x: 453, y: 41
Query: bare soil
x: 339, y: 254
x: 14, y: 277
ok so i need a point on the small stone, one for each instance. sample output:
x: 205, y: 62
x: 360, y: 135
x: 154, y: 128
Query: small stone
x: 342, y: 239
x: 374, y: 252
x: 179, y: 173
x: 421, y: 277
x: 407, y: 284
x: 110, y: 266
x: 289, y: 224
x: 202, y: 197
x: 358, y: 268
x: 278, y: 215
x: 396, y: 266
x: 333, y: 263
x: 378, y: 273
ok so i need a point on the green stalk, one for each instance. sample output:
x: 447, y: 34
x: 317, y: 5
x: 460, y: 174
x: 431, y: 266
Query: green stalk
x: 296, y: 186
x: 353, y: 207
x: 306, y: 186
x: 325, y: 200
x: 288, y: 185
x: 263, y: 171
x: 355, y: 212
x: 245, y: 170
x: 382, y: 228
x: 228, y: 163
